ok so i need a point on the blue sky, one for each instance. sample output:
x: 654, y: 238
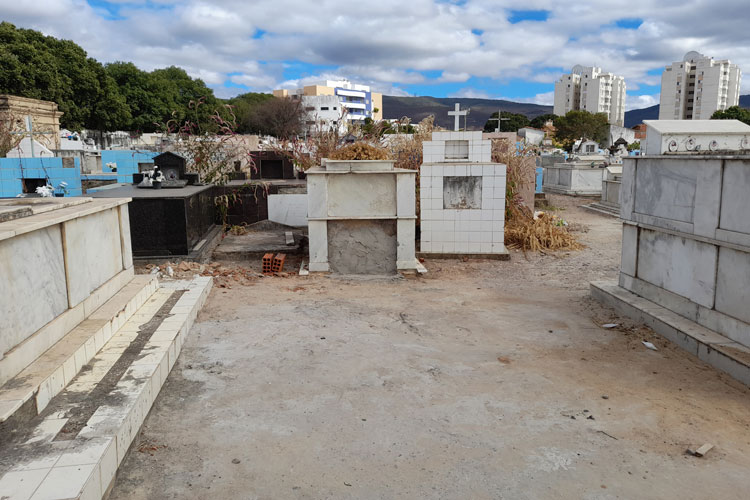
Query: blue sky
x: 468, y: 48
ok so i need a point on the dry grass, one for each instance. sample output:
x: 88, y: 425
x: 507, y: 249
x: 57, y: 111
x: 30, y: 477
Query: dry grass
x: 542, y: 233
x: 360, y: 151
x: 522, y: 231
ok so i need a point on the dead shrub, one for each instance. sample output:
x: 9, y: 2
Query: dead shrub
x: 359, y: 151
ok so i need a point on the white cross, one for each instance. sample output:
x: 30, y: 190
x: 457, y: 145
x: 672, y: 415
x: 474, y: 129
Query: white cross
x: 457, y: 113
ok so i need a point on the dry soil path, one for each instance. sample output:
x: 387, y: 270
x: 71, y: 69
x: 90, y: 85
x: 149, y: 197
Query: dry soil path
x: 481, y: 380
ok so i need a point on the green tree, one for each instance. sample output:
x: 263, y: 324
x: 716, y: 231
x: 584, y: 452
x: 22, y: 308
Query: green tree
x: 541, y: 120
x: 283, y: 118
x: 733, y: 113
x: 577, y: 124
x: 42, y: 67
x: 243, y: 106
x: 509, y: 122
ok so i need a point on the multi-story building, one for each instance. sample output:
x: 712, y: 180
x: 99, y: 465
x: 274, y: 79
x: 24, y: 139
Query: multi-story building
x: 352, y: 102
x: 590, y: 89
x: 697, y: 86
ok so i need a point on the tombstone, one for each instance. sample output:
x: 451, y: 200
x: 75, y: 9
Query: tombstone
x: 172, y: 166
x: 361, y: 217
x: 462, y: 197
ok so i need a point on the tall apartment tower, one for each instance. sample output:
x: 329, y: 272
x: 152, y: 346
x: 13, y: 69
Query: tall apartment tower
x: 590, y: 89
x: 696, y: 87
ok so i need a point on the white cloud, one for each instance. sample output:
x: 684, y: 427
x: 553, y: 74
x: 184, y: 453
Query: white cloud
x: 546, y: 99
x: 471, y: 93
x: 390, y: 45
x: 641, y: 101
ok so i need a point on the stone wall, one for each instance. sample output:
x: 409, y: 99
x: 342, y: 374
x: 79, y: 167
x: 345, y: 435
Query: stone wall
x: 686, y: 237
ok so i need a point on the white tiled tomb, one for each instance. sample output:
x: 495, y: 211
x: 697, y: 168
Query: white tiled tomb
x: 462, y: 196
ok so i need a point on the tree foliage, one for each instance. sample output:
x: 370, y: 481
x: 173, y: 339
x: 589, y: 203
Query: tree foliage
x: 280, y: 117
x: 118, y: 96
x: 42, y: 67
x: 541, y: 120
x: 243, y: 106
x: 577, y: 124
x: 509, y: 122
x: 733, y: 113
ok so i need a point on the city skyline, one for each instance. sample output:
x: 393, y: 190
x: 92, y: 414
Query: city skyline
x: 437, y: 48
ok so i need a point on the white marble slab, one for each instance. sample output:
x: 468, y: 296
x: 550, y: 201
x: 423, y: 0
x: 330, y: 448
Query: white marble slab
x: 288, y: 209
x: 32, y: 284
x: 93, y: 252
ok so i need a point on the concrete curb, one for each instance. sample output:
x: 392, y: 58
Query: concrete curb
x: 718, y: 351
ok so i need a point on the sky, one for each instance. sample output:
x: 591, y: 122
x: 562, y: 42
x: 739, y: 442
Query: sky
x: 441, y: 48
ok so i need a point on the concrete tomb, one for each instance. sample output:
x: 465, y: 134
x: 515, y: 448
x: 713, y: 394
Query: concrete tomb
x: 686, y: 242
x: 361, y: 217
x: 462, y: 196
x: 581, y: 175
x: 54, y: 254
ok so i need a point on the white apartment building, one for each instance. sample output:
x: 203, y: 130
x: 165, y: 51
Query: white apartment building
x: 697, y: 86
x: 590, y: 89
x: 324, y: 113
x: 356, y: 102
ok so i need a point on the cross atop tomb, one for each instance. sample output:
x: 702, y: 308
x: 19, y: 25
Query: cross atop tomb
x: 458, y: 113
x: 498, y: 120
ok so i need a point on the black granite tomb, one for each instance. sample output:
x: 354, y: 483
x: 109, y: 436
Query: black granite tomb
x: 168, y: 222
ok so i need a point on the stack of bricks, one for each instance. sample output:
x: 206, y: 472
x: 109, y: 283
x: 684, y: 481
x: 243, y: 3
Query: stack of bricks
x: 273, y: 265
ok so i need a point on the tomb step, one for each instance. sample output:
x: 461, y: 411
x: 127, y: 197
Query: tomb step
x: 29, y: 392
x: 603, y: 209
x: 721, y: 352
x: 74, y: 447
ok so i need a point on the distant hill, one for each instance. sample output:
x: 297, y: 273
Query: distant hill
x: 418, y: 108
x: 636, y: 116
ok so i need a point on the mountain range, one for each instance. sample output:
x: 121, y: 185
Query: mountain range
x: 418, y: 108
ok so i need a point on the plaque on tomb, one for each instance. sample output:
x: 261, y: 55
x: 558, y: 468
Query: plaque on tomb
x: 461, y: 193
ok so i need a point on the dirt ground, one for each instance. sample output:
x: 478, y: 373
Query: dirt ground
x: 482, y: 379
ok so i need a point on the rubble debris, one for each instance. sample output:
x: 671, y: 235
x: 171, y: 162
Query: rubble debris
x: 649, y: 345
x: 610, y: 325
x: 700, y: 451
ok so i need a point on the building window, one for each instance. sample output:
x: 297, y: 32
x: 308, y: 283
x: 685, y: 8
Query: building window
x: 324, y: 108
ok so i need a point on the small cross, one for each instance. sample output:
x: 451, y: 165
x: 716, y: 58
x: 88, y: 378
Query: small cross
x: 457, y: 113
x: 498, y: 120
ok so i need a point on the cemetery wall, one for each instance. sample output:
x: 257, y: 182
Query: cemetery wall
x: 127, y: 162
x: 14, y: 170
